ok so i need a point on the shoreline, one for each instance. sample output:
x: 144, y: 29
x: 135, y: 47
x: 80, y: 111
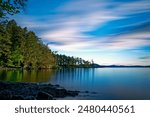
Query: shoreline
x: 13, y: 69
x: 33, y: 91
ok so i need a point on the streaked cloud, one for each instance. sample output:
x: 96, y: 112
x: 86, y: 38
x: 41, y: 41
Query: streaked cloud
x: 115, y: 26
x: 145, y: 57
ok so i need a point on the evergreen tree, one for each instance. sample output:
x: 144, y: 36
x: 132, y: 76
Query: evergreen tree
x: 5, y: 46
x: 11, y: 7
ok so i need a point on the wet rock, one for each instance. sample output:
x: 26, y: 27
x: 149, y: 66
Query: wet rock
x: 5, y: 95
x: 44, y: 96
x: 57, y: 85
x: 72, y: 93
x: 29, y: 98
x: 94, y: 92
x: 61, y: 92
x: 31, y: 91
x: 17, y: 97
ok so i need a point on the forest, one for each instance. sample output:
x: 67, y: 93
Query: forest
x: 20, y: 47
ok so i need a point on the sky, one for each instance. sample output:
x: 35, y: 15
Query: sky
x: 111, y: 32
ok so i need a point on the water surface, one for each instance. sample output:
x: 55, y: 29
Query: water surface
x: 94, y: 83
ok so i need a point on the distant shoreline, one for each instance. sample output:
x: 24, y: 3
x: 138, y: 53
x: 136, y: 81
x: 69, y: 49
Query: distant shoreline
x: 124, y: 67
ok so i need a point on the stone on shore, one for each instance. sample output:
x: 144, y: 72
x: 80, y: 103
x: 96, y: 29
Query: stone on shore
x: 5, y: 95
x: 44, y: 96
x: 31, y: 91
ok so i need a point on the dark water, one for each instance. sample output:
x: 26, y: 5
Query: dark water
x: 94, y: 83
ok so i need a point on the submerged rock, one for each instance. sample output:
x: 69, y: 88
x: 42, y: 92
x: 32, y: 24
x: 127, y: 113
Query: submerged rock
x: 17, y: 97
x: 73, y: 93
x: 29, y: 98
x: 44, y: 96
x: 61, y: 92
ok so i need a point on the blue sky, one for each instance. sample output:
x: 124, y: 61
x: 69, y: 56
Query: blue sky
x: 107, y: 31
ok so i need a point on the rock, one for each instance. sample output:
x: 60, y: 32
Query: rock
x: 94, y: 92
x: 57, y: 85
x: 31, y: 91
x: 73, y: 93
x: 17, y: 97
x: 29, y: 98
x: 61, y: 92
x: 44, y: 96
x: 5, y: 95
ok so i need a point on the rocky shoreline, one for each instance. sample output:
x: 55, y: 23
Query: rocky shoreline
x: 33, y: 91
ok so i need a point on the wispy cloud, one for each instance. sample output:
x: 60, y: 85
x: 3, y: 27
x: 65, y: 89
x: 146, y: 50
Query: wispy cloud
x: 145, y: 57
x: 65, y: 29
x: 130, y: 41
x: 88, y: 15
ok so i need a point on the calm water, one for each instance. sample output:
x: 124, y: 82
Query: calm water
x: 94, y: 83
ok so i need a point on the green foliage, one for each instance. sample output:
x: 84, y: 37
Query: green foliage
x: 11, y: 7
x: 20, y: 47
x: 67, y: 61
x: 5, y: 46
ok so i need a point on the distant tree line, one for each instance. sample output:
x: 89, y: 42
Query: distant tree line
x: 22, y: 48
x: 67, y: 61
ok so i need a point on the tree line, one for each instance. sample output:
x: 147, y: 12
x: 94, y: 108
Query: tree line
x: 67, y: 61
x: 20, y: 47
